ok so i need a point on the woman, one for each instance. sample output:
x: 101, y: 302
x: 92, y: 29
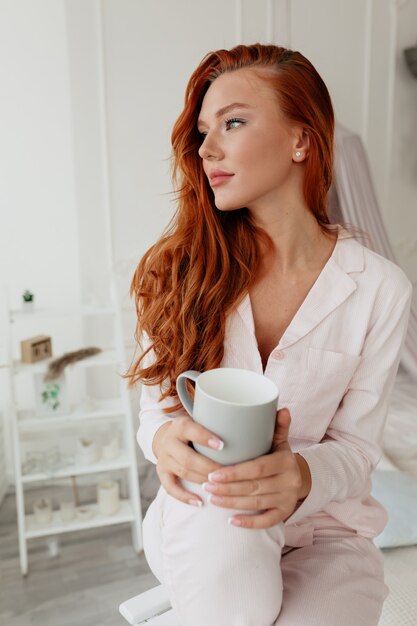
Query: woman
x: 252, y: 274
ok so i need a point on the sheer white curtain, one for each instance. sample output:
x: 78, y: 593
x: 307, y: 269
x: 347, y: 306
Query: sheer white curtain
x: 353, y: 200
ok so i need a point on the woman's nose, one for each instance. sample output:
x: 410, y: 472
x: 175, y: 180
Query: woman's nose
x: 210, y: 148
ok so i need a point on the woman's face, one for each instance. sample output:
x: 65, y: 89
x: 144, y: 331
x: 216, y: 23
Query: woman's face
x: 248, y: 147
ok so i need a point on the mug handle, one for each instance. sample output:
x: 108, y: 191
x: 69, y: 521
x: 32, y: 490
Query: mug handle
x: 182, y: 389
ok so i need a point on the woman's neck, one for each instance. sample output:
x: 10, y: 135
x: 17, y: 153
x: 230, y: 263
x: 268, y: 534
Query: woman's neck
x: 298, y: 244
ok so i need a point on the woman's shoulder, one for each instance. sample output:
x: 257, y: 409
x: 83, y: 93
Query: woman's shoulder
x: 377, y: 271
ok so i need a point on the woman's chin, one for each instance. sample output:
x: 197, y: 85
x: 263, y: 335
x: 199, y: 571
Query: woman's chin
x: 225, y: 208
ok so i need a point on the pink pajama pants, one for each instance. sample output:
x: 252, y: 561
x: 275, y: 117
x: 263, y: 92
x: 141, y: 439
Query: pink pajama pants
x: 221, y: 575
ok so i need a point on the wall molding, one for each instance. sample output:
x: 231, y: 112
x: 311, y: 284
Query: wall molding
x: 278, y: 26
x: 379, y: 90
x: 394, y: 6
x: 367, y: 70
x: 270, y: 21
x: 238, y: 21
x: 104, y: 132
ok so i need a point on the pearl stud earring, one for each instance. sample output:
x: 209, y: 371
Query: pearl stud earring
x: 298, y: 154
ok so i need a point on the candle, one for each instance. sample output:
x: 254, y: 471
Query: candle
x: 108, y: 497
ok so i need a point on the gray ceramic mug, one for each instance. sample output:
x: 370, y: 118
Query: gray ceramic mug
x: 239, y: 406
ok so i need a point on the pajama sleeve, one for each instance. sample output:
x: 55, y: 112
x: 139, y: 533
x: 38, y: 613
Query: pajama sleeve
x: 151, y: 414
x: 341, y: 464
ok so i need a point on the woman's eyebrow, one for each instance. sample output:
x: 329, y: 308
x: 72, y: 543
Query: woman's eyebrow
x: 227, y: 109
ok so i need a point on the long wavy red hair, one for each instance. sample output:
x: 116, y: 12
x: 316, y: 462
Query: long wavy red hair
x: 188, y: 281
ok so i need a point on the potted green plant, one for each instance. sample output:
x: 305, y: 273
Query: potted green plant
x: 28, y: 300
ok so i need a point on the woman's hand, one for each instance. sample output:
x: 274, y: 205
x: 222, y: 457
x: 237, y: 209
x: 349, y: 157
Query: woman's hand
x: 176, y: 459
x: 271, y: 484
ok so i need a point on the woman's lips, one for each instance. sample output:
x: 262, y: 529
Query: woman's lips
x: 219, y: 179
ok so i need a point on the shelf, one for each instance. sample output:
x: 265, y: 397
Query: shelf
x: 34, y: 431
x: 50, y: 312
x: 57, y: 526
x: 121, y: 462
x: 104, y: 408
x: 105, y: 357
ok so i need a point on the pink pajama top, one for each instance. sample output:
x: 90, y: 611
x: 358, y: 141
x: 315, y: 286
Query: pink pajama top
x: 334, y: 367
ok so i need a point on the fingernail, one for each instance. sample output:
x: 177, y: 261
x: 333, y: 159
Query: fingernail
x: 209, y: 487
x: 216, y: 476
x: 215, y: 499
x: 218, y: 444
x: 234, y: 522
x: 195, y: 502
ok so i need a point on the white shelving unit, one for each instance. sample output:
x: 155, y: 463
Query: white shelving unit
x: 114, y: 411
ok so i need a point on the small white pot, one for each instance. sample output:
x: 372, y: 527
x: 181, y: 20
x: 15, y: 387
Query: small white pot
x: 87, y: 451
x: 28, y: 305
x: 42, y: 510
x: 85, y: 513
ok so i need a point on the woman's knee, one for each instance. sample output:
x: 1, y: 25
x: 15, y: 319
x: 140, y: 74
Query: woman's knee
x: 227, y: 575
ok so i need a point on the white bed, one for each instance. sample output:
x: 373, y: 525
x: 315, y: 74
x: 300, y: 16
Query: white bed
x: 400, y: 608
x: 396, y: 479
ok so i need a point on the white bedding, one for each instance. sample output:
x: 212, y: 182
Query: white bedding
x: 400, y: 433
x: 400, y: 444
x: 400, y: 608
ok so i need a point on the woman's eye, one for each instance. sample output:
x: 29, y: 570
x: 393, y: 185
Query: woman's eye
x: 233, y: 123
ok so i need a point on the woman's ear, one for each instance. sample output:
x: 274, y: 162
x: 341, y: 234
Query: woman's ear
x: 301, y: 146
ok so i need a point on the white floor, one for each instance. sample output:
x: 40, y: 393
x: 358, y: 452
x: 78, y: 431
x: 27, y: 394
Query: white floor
x: 83, y: 585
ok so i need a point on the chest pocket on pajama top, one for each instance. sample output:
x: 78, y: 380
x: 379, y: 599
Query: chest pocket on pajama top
x: 321, y: 387
x: 335, y: 365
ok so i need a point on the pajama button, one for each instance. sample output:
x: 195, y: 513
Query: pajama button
x: 278, y: 355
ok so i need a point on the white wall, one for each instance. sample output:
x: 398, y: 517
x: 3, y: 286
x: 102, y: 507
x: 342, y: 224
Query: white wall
x: 38, y: 211
x: 39, y: 221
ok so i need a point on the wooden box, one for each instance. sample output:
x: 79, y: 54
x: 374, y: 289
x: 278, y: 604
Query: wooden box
x: 36, y: 349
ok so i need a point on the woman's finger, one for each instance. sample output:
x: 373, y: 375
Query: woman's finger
x: 253, y: 503
x: 265, y: 519
x: 188, y: 430
x: 187, y: 472
x: 174, y: 489
x: 282, y: 429
x: 261, y: 467
x: 272, y: 484
x: 189, y: 460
